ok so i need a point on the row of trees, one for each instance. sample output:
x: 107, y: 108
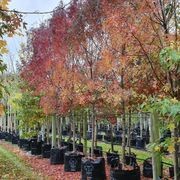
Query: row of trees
x: 108, y: 58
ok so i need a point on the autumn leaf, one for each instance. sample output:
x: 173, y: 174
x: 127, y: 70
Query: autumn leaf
x: 171, y: 148
x: 4, y: 4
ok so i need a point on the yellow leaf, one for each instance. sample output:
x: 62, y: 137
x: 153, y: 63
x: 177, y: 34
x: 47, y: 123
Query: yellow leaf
x: 1, y: 109
x: 4, y: 50
x: 174, y: 100
x: 4, y: 4
x: 157, y: 148
x: 2, y: 43
x: 171, y: 126
x: 171, y: 148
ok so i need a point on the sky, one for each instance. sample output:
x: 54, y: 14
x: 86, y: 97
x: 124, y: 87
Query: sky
x: 11, y: 58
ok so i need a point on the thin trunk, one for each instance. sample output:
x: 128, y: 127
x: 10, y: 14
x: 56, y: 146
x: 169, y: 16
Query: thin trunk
x: 95, y: 137
x: 53, y: 131
x: 59, y: 128
x: 156, y: 157
x: 123, y: 133
x: 141, y: 125
x: 48, y: 129
x: 74, y: 131
x: 79, y: 126
x: 60, y: 131
x: 129, y: 133
x: 93, y: 130
x: 15, y: 123
x: 42, y: 132
x: 123, y: 123
x: 111, y: 134
x: 85, y: 132
x: 70, y: 132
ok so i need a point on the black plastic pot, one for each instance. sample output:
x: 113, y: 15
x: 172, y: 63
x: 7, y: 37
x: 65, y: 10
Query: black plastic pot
x: 148, y: 169
x: 171, y: 171
x: 93, y: 169
x: 89, y: 135
x: 99, y: 137
x: 120, y: 174
x: 64, y: 132
x: 130, y: 159
x: 35, y: 146
x: 147, y: 139
x: 72, y: 161
x: 107, y: 138
x: 24, y: 144
x: 57, y: 155
x: 2, y: 135
x: 133, y: 142
x: 70, y: 146
x: 8, y: 137
x: 97, y: 151
x: 46, y: 149
x: 140, y: 143
x: 14, y: 139
x: 112, y: 158
x: 79, y: 147
x: 118, y: 139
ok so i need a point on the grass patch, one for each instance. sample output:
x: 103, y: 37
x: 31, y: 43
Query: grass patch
x: 12, y: 167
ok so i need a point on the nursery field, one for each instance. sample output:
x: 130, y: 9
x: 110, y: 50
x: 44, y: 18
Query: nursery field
x: 91, y: 92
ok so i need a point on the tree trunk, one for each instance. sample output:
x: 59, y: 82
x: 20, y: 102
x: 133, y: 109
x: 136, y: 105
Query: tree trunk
x: 85, y: 117
x: 129, y: 133
x: 111, y: 134
x: 123, y: 133
x: 48, y: 129
x: 141, y: 124
x: 59, y: 128
x: 42, y: 132
x: 53, y: 131
x: 156, y: 157
x: 123, y: 123
x: 96, y: 132
x: 93, y: 130
x: 74, y: 131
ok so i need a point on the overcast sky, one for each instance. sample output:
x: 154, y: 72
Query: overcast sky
x: 32, y: 20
